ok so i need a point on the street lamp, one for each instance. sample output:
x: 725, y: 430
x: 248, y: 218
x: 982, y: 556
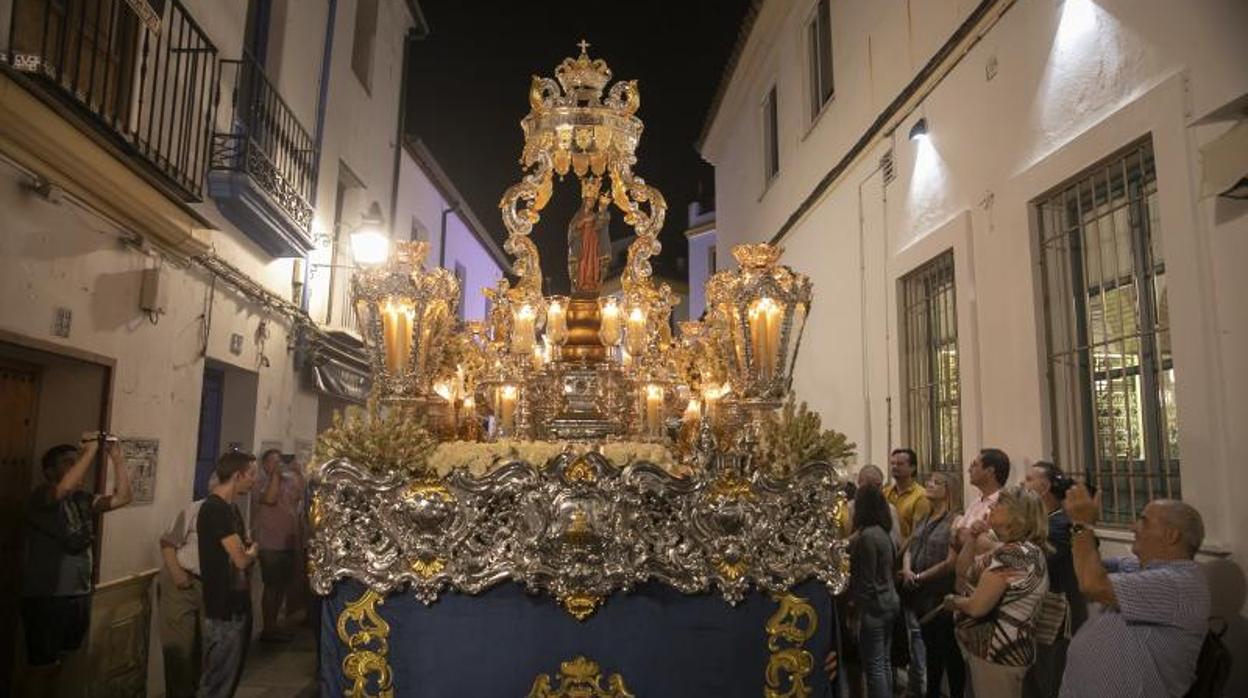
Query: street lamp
x: 370, y: 246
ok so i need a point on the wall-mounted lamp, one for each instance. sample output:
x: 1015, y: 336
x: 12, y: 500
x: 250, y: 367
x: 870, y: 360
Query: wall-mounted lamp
x: 370, y: 245
x: 919, y: 129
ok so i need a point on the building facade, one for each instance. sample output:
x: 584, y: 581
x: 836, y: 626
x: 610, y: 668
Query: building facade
x: 703, y: 256
x: 434, y: 211
x: 179, y: 181
x: 1014, y: 242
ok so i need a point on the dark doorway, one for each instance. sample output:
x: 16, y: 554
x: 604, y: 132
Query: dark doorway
x: 210, y: 406
x: 46, y: 399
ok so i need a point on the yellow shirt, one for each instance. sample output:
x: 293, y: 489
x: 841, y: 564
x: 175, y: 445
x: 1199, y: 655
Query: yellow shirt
x: 912, y: 505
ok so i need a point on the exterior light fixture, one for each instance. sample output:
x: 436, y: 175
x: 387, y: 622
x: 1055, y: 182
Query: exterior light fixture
x: 919, y: 129
x: 370, y: 245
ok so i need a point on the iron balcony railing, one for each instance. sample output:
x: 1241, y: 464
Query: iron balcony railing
x: 266, y: 141
x: 141, y: 72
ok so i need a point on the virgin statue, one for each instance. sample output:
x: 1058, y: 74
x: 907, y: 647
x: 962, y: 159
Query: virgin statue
x: 589, y: 242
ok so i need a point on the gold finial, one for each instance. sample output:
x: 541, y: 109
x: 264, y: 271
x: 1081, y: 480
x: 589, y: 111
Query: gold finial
x: 584, y: 47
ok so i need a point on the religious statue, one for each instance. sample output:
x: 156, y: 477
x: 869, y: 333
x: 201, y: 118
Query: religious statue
x: 589, y: 243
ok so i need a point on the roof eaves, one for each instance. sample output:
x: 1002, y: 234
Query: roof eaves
x: 442, y: 182
x: 752, y: 12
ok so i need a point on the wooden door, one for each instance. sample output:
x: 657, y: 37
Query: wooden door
x: 19, y: 398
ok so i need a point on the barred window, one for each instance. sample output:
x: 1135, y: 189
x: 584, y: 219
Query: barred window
x: 1110, y: 368
x: 933, y: 415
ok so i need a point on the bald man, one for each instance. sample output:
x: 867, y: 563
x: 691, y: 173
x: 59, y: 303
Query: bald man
x: 1154, y: 606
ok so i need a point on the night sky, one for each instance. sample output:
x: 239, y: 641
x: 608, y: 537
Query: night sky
x: 469, y: 87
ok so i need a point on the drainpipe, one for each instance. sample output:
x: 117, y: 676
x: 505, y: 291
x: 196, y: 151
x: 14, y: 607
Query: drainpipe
x: 400, y: 135
x: 442, y: 241
x: 319, y: 135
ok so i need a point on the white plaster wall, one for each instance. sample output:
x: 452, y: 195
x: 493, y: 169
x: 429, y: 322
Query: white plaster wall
x: 1074, y: 82
x: 420, y: 199
x: 360, y: 130
x: 699, y: 271
x: 61, y: 255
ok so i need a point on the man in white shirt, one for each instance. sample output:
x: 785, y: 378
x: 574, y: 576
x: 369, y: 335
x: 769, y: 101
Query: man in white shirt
x: 181, y: 603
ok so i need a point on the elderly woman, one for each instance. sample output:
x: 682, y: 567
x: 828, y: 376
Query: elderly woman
x: 871, y: 560
x: 927, y: 576
x: 996, y: 622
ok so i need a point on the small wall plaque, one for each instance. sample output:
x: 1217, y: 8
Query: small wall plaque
x: 61, y: 322
x: 236, y: 344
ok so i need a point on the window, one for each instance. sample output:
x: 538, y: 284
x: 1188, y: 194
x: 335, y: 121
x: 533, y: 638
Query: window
x: 933, y: 416
x: 1110, y: 368
x: 819, y: 46
x: 771, y: 137
x: 419, y: 231
x: 712, y: 263
x: 362, y: 48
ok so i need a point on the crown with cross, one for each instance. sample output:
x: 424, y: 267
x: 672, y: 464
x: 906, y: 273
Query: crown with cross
x: 582, y: 78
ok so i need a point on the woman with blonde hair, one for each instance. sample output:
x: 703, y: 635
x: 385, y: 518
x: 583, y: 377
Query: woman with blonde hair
x: 927, y: 575
x: 996, y: 622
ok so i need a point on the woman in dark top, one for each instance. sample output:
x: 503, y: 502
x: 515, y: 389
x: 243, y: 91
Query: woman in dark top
x: 871, y: 558
x: 927, y: 574
x: 1045, y: 676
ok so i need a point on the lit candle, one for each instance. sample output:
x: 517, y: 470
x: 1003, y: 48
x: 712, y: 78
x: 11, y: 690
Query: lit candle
x: 446, y: 390
x: 609, y: 331
x: 397, y: 329
x: 522, y: 330
x: 635, y: 337
x: 539, y: 357
x: 654, y: 409
x: 764, y: 321
x: 507, y: 408
x: 693, y: 412
x: 710, y: 399
x: 468, y: 417
x: 557, y: 321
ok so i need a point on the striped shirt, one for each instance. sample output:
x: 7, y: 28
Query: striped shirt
x: 1149, y: 644
x: 1006, y: 635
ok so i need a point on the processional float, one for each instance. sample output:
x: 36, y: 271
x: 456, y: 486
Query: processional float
x: 566, y: 499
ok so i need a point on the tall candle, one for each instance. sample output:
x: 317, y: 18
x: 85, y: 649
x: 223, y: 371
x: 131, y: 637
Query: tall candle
x: 609, y: 331
x: 522, y: 330
x: 396, y: 320
x: 710, y: 400
x: 654, y: 409
x: 507, y: 408
x: 557, y: 321
x: 468, y: 418
x: 764, y: 322
x: 635, y: 337
x: 693, y: 412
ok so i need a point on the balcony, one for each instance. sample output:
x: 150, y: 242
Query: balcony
x: 264, y: 164
x: 141, y: 84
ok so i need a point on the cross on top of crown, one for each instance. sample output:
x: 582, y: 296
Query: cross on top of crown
x: 584, y: 46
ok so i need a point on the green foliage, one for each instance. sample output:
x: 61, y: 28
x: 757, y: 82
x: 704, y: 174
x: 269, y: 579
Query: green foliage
x: 795, y: 436
x: 380, y: 439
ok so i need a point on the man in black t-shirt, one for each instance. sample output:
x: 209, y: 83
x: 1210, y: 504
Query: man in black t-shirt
x: 225, y: 556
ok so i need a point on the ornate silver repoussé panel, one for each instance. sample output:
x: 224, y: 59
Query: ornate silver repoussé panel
x: 578, y: 528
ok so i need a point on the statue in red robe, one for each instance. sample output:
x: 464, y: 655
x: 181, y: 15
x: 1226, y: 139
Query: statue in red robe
x: 589, y: 242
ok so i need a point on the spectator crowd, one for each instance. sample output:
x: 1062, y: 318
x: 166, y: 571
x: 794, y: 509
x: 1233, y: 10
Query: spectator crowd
x: 991, y: 599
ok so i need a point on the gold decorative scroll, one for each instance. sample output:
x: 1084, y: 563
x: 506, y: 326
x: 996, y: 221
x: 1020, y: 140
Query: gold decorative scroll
x: 788, y: 629
x: 579, y: 678
x: 581, y: 606
x: 368, y: 661
x: 571, y: 127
